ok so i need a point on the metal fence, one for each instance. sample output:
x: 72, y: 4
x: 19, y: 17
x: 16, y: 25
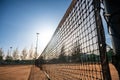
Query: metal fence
x: 77, y: 50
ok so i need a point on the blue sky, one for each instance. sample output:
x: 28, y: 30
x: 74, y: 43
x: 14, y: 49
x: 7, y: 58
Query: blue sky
x: 20, y: 20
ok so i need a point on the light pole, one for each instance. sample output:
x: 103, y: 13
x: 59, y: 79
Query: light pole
x: 10, y: 51
x: 36, y: 45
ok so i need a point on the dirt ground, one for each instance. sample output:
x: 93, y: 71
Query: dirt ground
x: 21, y: 72
x: 37, y: 74
x: 55, y: 72
x: 15, y: 72
x: 77, y: 72
x: 114, y: 73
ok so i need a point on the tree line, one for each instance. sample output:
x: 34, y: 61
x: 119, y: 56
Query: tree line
x: 77, y: 56
x: 17, y: 56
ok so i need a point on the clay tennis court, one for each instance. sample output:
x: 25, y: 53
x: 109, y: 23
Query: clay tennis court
x: 77, y: 72
x: 21, y: 72
x: 30, y: 72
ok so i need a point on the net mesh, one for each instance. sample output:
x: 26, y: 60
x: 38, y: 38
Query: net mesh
x: 73, y: 52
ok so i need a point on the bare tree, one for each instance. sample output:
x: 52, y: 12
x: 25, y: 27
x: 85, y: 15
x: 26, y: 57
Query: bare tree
x: 16, y: 54
x: 1, y: 54
x: 35, y: 55
x: 62, y: 57
x: 24, y: 54
x: 31, y: 53
x: 8, y: 56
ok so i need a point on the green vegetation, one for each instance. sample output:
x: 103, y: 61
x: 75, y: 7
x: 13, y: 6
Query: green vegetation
x: 77, y: 57
x: 109, y: 55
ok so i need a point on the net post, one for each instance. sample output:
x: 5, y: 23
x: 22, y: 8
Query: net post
x: 101, y: 41
x: 112, y: 14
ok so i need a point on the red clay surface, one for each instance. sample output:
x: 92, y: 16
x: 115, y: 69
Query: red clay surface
x: 21, y: 72
x: 77, y: 72
x: 37, y: 74
x: 55, y: 72
x: 15, y: 72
